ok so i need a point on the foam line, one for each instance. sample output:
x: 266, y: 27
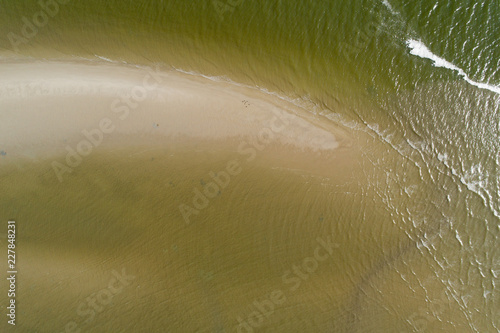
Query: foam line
x: 419, y: 49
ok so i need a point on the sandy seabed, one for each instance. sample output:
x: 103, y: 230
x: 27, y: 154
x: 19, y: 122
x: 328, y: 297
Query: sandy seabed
x: 159, y: 201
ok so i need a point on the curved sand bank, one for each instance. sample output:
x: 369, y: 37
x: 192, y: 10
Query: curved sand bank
x: 62, y: 100
x: 153, y: 201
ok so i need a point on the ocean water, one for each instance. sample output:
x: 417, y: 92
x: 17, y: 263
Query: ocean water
x: 417, y: 83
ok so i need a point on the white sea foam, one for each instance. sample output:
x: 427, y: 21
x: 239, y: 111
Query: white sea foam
x: 388, y: 5
x: 419, y: 49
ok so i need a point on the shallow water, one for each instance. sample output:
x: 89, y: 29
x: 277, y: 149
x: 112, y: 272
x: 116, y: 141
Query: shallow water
x: 416, y: 222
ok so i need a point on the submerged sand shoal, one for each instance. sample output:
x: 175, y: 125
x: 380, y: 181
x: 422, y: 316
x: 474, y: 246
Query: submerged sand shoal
x: 63, y: 99
x: 97, y: 160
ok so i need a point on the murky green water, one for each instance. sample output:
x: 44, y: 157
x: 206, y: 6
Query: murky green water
x: 417, y: 229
